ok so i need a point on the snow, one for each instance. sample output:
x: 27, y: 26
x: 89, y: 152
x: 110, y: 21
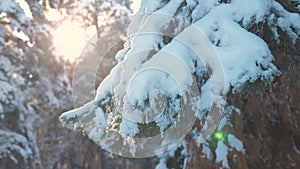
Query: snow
x: 128, y: 128
x: 162, y: 164
x: 218, y: 39
x: 222, y: 123
x: 171, y: 154
x: 231, y: 36
x: 221, y: 153
x: 12, y: 143
x: 296, y: 149
x: 147, y: 81
x: 70, y: 117
x: 205, y: 100
x: 5, y: 65
x: 203, y: 8
x: 151, y: 5
x: 206, y: 151
x: 5, y: 92
x: 250, y: 14
x: 235, y: 143
x: 6, y: 88
x: 288, y: 22
x: 231, y: 109
x: 25, y: 8
x: 10, y: 6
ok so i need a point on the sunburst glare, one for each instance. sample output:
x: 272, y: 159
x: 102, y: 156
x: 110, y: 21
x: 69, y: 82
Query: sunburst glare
x: 69, y: 39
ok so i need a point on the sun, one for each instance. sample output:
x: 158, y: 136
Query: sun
x: 136, y: 5
x: 69, y: 39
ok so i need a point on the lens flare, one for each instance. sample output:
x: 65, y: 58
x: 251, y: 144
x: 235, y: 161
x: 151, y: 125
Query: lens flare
x: 219, y: 135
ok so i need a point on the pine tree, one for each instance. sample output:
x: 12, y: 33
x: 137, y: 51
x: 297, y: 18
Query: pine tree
x: 32, y: 83
x: 167, y: 66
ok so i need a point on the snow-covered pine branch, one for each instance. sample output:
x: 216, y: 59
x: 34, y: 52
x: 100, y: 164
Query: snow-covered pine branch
x: 155, y: 39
